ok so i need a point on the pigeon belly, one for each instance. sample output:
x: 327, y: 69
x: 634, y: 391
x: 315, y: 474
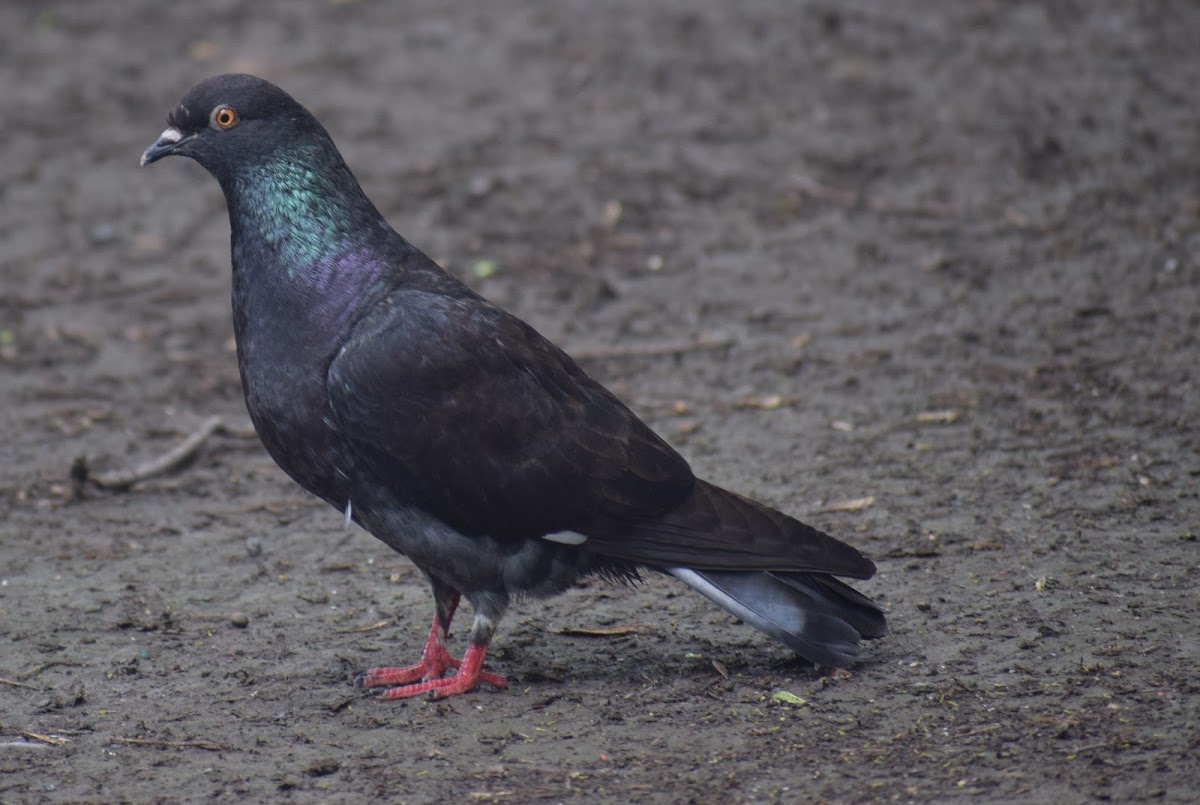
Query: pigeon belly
x: 473, y: 564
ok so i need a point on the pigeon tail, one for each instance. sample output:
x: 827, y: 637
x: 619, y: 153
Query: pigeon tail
x: 816, y: 616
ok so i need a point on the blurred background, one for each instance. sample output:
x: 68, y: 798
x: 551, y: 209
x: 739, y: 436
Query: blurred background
x: 923, y: 273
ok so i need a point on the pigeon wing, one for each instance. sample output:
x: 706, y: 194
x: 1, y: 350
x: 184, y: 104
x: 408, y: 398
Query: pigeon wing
x: 467, y: 412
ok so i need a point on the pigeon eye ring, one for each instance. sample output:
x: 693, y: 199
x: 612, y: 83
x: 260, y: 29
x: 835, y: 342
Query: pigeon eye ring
x: 224, y: 117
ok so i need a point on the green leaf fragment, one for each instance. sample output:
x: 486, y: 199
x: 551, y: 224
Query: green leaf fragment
x: 484, y: 268
x: 784, y: 697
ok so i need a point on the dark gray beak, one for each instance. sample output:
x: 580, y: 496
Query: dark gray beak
x: 167, y: 143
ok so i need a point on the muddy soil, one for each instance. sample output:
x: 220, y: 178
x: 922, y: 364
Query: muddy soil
x: 926, y: 274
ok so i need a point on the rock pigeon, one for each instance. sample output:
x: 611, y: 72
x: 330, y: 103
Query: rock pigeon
x: 453, y: 431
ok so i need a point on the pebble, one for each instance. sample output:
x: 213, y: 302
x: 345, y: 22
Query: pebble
x: 240, y: 619
x: 323, y: 766
x: 103, y: 233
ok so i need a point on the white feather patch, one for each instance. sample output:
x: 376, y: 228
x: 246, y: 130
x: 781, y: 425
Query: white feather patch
x: 566, y: 537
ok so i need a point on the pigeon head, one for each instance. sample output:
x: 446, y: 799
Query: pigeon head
x: 290, y: 194
x: 232, y: 122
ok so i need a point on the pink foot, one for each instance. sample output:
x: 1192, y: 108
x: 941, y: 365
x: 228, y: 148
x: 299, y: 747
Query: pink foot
x: 470, y: 674
x: 426, y: 676
x: 434, y: 663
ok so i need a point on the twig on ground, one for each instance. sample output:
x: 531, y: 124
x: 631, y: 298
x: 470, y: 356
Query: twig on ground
x: 650, y: 350
x: 236, y: 431
x: 211, y: 746
x: 850, y: 198
x: 1008, y: 215
x: 598, y: 631
x: 37, y: 669
x: 360, y: 629
x: 53, y: 740
x: 123, y: 479
x: 16, y: 684
x: 851, y: 505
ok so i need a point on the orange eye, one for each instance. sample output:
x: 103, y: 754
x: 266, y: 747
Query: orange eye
x: 224, y: 117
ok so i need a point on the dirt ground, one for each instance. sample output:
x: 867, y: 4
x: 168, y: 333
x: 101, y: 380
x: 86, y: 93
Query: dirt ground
x: 926, y: 274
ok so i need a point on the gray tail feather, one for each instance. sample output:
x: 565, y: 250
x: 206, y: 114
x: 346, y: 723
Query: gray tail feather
x: 814, y: 615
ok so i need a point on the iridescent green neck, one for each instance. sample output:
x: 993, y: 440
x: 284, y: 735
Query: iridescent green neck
x: 304, y: 214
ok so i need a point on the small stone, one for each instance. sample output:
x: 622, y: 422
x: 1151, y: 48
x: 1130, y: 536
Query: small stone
x: 323, y: 766
x: 103, y: 233
x: 240, y: 619
x: 480, y: 186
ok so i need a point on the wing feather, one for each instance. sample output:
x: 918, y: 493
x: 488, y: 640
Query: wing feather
x: 470, y: 413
